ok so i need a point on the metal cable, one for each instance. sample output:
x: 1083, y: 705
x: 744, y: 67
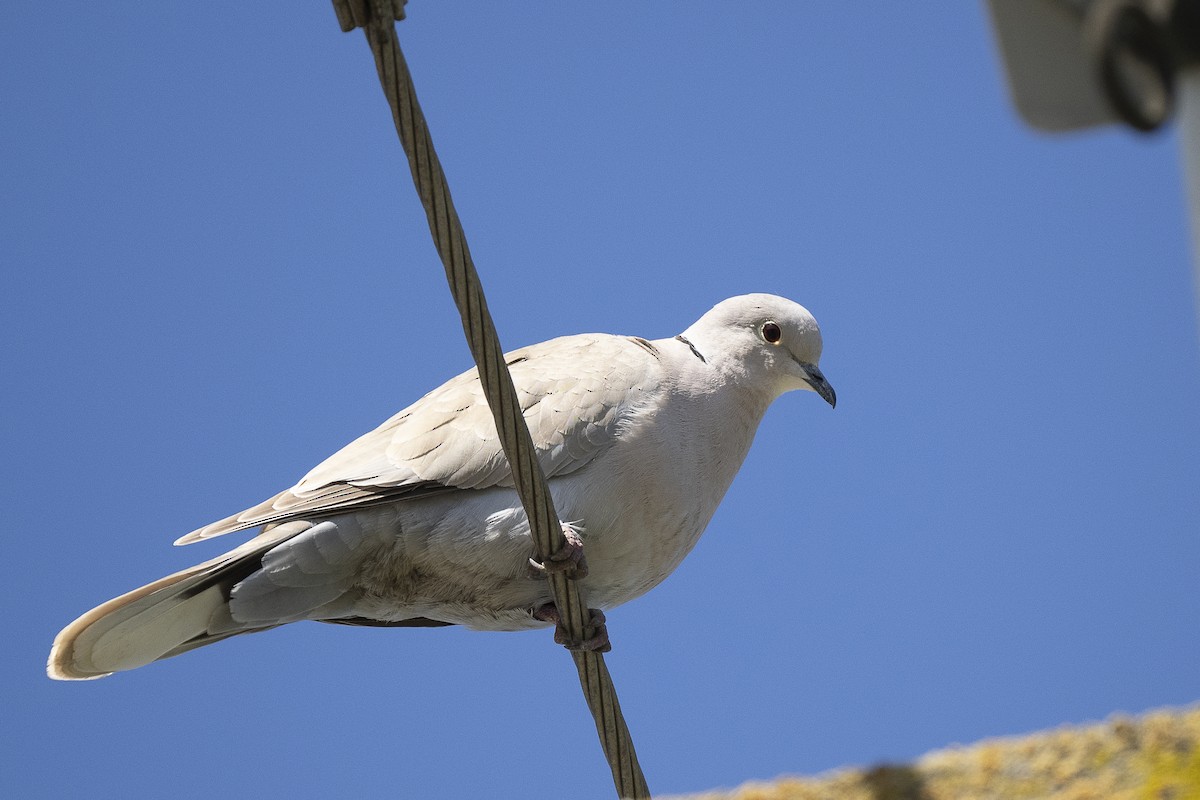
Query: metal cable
x: 376, y: 19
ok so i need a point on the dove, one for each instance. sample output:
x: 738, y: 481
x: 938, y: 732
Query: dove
x: 417, y: 523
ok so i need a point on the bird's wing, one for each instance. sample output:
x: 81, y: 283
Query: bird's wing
x: 576, y: 393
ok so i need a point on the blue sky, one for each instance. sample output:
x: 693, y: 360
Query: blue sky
x: 219, y: 274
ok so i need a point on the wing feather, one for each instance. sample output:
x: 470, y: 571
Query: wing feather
x: 575, y: 391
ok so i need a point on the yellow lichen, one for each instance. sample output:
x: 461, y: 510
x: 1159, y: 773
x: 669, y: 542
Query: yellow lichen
x: 1156, y: 757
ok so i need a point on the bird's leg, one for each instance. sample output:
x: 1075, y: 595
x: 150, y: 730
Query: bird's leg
x: 597, y: 643
x: 568, y: 559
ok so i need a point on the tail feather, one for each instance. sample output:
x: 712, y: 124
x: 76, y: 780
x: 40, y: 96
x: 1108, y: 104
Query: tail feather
x: 169, y: 616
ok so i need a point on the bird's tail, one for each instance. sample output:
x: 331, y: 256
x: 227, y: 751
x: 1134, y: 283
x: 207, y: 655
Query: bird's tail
x: 170, y: 616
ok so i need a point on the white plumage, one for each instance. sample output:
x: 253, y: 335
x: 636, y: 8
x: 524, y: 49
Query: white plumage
x: 416, y: 522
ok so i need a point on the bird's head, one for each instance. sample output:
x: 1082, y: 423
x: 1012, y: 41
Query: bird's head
x: 764, y: 341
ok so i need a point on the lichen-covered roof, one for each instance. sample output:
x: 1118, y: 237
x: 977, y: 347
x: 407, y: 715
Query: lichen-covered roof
x: 1152, y: 757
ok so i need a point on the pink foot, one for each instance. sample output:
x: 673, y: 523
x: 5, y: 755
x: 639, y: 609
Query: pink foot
x: 569, y: 559
x: 597, y: 643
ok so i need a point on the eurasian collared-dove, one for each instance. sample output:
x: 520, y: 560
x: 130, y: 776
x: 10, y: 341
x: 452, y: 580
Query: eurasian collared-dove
x: 416, y: 522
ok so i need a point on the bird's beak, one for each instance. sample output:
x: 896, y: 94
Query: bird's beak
x: 814, y: 378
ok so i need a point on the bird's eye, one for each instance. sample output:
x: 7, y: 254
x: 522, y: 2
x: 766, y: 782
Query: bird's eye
x: 771, y: 332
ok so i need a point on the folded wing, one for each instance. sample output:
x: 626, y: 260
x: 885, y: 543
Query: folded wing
x: 576, y: 393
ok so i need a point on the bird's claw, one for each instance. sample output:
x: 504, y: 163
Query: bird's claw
x: 568, y: 560
x: 598, y: 642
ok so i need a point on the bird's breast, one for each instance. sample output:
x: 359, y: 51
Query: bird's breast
x: 642, y: 514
